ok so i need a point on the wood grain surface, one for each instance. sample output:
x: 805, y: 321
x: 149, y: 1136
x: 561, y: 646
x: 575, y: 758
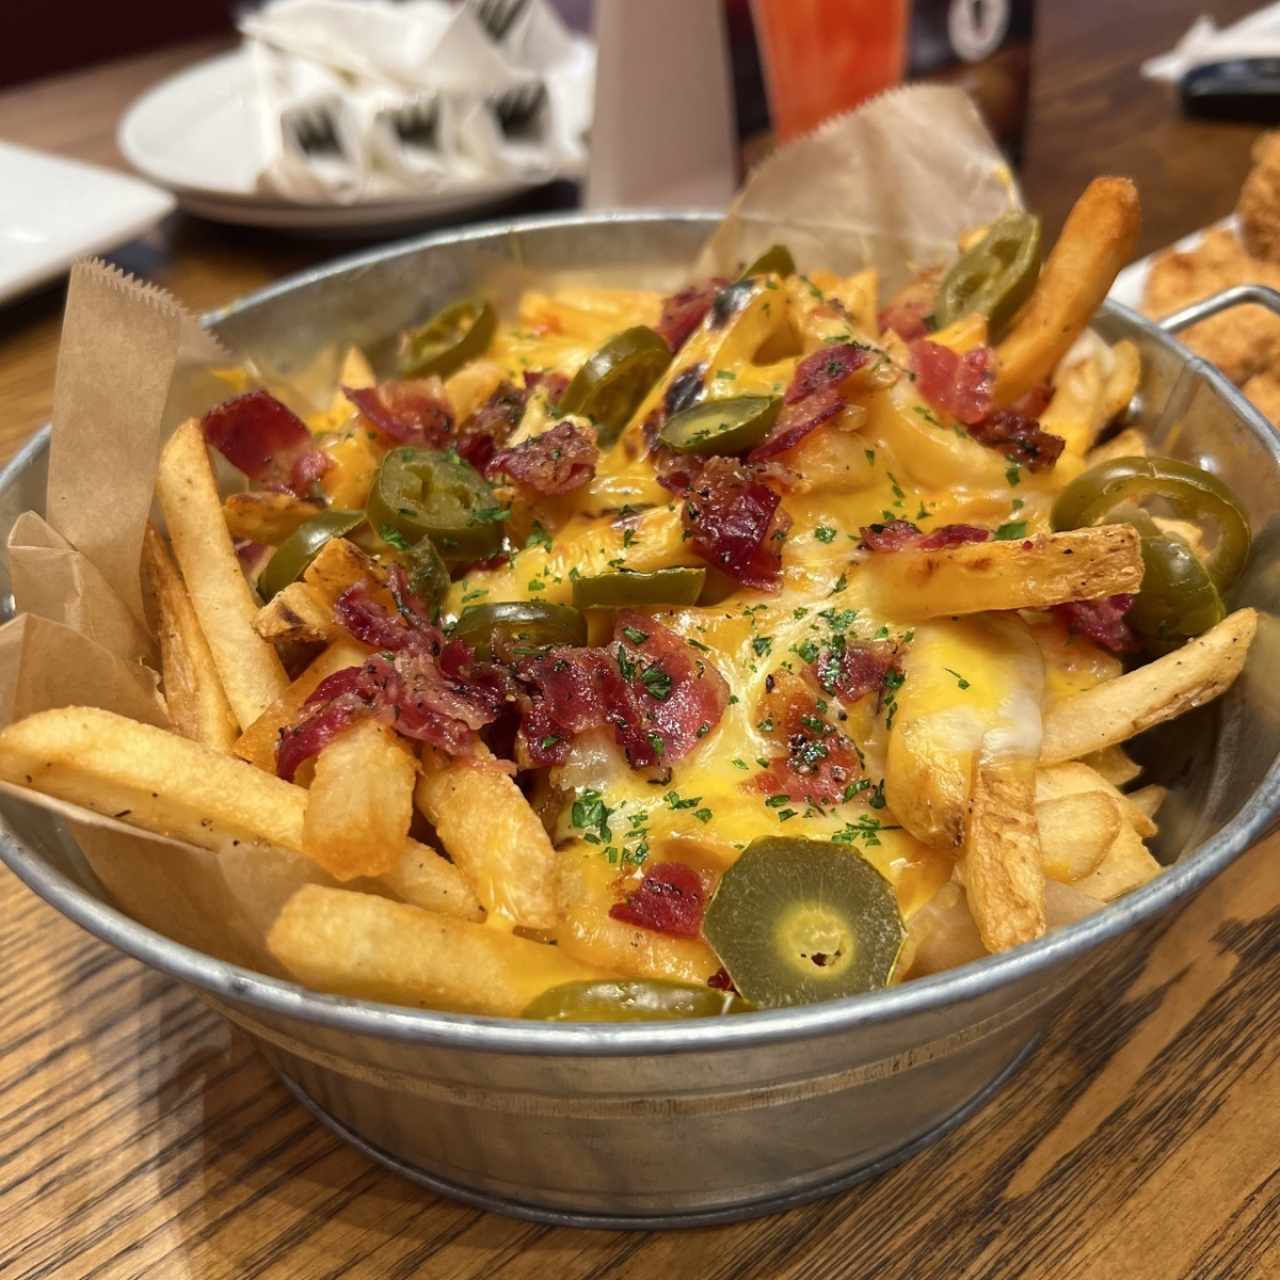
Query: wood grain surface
x: 139, y: 1136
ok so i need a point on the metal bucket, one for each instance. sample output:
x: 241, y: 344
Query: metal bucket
x: 681, y: 1124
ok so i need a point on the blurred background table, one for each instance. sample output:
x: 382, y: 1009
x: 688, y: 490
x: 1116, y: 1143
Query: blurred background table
x: 139, y: 1136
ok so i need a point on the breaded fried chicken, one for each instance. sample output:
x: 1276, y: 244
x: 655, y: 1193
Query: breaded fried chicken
x: 1259, y: 205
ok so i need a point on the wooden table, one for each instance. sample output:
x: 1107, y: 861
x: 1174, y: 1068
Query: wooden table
x: 140, y: 1137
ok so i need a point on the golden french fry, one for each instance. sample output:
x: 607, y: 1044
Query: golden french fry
x: 248, y: 666
x: 296, y: 614
x: 492, y: 835
x: 172, y: 786
x: 1004, y: 882
x: 1148, y: 800
x: 360, y: 802
x: 341, y: 564
x: 1099, y: 237
x: 1122, y: 380
x: 1031, y: 573
x: 927, y: 777
x: 1075, y: 833
x: 1077, y: 778
x: 1128, y: 865
x: 941, y: 935
x: 1129, y: 443
x: 368, y: 947
x: 1114, y: 711
x: 193, y: 692
x: 1115, y: 764
x: 587, y: 886
x: 266, y: 517
x: 257, y: 744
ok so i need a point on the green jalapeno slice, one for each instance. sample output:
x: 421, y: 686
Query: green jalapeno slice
x: 625, y: 588
x: 300, y: 548
x: 727, y: 426
x: 429, y: 493
x: 455, y: 334
x: 615, y: 379
x: 517, y: 628
x: 994, y: 277
x: 776, y: 260
x: 631, y: 1000
x: 428, y: 575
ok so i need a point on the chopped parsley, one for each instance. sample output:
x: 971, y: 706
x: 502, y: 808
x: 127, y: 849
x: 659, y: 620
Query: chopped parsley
x: 656, y: 682
x: 591, y: 815
x: 538, y: 537
x: 762, y: 645
x: 1011, y: 530
x: 961, y: 682
x: 635, y: 635
x: 824, y: 533
x: 1013, y: 474
x: 394, y: 537
x: 490, y: 515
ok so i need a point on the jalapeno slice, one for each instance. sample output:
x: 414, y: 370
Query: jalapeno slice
x: 426, y: 493
x: 775, y: 260
x: 631, y: 1000
x: 428, y: 575
x: 794, y: 921
x: 722, y: 426
x: 615, y: 379
x: 1178, y: 600
x: 1195, y: 494
x: 625, y: 588
x: 996, y: 276
x: 515, y: 628
x: 291, y: 558
x: 455, y: 334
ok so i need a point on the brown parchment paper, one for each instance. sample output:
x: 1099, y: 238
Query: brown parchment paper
x: 890, y: 185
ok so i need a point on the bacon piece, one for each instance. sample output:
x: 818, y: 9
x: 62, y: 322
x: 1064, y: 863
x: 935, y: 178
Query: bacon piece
x: 855, y: 669
x: 670, y: 899
x: 1031, y: 404
x: 897, y: 534
x: 555, y: 462
x: 1102, y: 621
x: 410, y: 411
x: 720, y: 980
x: 733, y: 521
x: 820, y: 762
x: 253, y: 556
x: 960, y: 385
x: 488, y: 428
x: 335, y: 704
x: 657, y: 695
x: 684, y: 311
x: 813, y: 396
x: 552, y: 384
x: 910, y: 311
x: 266, y: 440
x: 1020, y: 439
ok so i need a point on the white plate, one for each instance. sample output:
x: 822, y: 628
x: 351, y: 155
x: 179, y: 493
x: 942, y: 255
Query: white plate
x: 1130, y: 283
x: 197, y: 133
x: 53, y: 211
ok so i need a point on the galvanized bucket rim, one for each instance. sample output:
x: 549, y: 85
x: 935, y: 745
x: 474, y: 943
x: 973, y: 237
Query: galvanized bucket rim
x: 510, y: 1035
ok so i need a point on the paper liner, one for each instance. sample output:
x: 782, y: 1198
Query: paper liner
x: 890, y: 185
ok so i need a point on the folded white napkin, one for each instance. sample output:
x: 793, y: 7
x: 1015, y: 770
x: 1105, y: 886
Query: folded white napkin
x: 368, y: 100
x: 1257, y: 36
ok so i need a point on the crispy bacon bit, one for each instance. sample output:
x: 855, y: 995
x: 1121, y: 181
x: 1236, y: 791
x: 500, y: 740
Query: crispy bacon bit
x: 813, y: 396
x: 253, y: 557
x: 1031, y: 404
x: 1020, y: 439
x: 656, y: 694
x: 1102, y: 621
x: 897, y: 534
x: 960, y: 385
x: 410, y: 411
x: 489, y: 427
x: 855, y: 669
x: 910, y: 311
x: 820, y: 761
x: 552, y: 384
x: 421, y: 687
x: 683, y: 312
x: 267, y: 441
x: 734, y: 522
x: 720, y: 980
x: 670, y: 899
x: 557, y: 461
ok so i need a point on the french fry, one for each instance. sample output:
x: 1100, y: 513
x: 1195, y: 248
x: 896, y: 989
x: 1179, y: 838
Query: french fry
x: 257, y: 744
x: 360, y: 802
x: 193, y: 693
x: 248, y: 666
x: 1128, y: 865
x: 1114, y: 711
x: 1122, y: 380
x: 492, y: 835
x: 296, y: 614
x: 1115, y: 764
x: 1076, y: 831
x: 1129, y: 443
x: 341, y: 564
x: 266, y: 517
x: 1031, y: 573
x: 1077, y: 778
x: 373, y: 949
x: 1099, y: 237
x: 1148, y: 800
x: 1004, y: 882
x: 172, y: 786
